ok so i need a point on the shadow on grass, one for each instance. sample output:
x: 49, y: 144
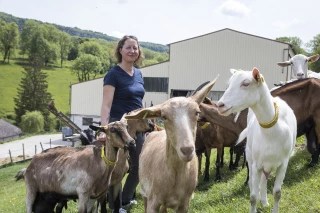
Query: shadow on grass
x: 226, y: 175
x: 297, y: 171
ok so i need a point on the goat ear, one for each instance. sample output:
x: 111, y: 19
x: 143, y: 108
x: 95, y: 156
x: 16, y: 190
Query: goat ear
x: 151, y: 112
x: 201, y: 94
x: 284, y: 64
x: 123, y: 119
x: 256, y: 74
x: 313, y: 58
x: 233, y: 71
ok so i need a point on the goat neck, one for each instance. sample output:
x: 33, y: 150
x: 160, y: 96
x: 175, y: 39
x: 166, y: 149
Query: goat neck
x: 264, y: 109
x: 111, y: 152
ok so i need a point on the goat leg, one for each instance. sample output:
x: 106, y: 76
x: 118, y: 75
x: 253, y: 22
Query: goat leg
x: 313, y: 146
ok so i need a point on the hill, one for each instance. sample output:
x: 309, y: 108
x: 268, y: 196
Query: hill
x: 59, y: 80
x: 74, y: 31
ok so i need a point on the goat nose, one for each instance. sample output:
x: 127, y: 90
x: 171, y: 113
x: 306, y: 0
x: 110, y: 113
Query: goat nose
x: 187, y: 150
x: 300, y: 74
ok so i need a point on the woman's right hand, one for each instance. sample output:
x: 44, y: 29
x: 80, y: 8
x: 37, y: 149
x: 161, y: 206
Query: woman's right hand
x: 102, y: 137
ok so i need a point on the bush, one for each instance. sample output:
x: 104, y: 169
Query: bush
x: 32, y: 122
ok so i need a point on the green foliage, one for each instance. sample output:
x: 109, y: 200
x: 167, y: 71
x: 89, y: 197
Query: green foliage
x: 32, y: 92
x: 83, y: 33
x: 295, y: 42
x: 40, y: 40
x: 32, y: 122
x: 314, y: 44
x: 9, y: 35
x: 86, y: 67
x: 64, y: 44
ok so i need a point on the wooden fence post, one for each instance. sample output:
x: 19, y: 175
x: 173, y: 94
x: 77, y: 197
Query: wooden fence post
x: 10, y: 156
x: 41, y: 146
x: 24, y: 157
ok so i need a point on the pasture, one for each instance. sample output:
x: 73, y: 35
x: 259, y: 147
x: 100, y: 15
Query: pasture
x: 300, y: 189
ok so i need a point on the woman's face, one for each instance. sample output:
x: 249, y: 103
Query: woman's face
x: 130, y: 51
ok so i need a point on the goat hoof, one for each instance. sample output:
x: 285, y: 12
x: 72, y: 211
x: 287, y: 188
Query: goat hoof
x: 264, y: 203
x: 311, y: 164
x: 217, y: 179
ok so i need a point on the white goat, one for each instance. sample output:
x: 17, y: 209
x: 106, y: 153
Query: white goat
x: 299, y: 65
x: 271, y: 131
x: 168, y: 168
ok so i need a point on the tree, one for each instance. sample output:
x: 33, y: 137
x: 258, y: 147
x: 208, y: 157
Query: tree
x: 92, y: 48
x: 40, y: 40
x: 9, y: 34
x: 32, y: 122
x: 64, y: 43
x: 314, y: 44
x: 99, y: 49
x: 86, y: 66
x: 32, y: 92
x: 295, y: 42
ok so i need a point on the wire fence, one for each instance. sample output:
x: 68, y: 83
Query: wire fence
x: 25, y: 151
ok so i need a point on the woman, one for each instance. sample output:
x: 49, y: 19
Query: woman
x: 123, y: 92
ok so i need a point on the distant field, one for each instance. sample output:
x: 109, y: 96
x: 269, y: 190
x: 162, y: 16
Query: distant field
x: 59, y: 80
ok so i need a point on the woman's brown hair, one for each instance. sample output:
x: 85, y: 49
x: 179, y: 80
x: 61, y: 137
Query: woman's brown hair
x: 120, y: 45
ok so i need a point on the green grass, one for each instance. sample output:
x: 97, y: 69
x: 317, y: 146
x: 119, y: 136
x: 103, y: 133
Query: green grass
x: 300, y: 192
x: 59, y: 80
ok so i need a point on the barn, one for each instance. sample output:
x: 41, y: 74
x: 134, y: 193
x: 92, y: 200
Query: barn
x: 192, y: 62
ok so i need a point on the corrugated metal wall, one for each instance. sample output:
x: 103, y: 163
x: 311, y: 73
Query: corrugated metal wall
x: 157, y: 70
x: 197, y: 60
x: 86, y: 97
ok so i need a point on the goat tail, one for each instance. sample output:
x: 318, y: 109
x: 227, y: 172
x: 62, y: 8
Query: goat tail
x: 20, y: 174
x: 241, y: 137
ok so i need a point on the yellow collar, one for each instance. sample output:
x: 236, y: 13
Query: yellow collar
x: 205, y: 125
x: 274, y: 120
x: 106, y: 160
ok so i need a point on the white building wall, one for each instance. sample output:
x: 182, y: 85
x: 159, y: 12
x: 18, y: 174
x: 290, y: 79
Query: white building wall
x: 86, y: 100
x: 201, y: 59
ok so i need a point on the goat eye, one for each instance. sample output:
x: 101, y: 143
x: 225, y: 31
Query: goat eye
x: 245, y: 84
x: 164, y: 117
x: 197, y: 113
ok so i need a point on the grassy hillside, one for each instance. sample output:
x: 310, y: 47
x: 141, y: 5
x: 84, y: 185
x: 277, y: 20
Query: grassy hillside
x: 299, y: 194
x: 59, y: 80
x: 74, y: 31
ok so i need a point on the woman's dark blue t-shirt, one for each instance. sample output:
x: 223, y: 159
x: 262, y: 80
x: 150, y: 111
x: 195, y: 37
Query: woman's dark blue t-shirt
x: 129, y: 91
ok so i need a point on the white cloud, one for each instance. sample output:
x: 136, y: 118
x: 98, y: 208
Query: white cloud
x: 123, y: 1
x: 285, y: 24
x: 117, y: 34
x: 233, y: 8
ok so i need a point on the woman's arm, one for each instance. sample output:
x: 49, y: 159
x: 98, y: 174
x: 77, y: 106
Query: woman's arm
x: 108, y: 93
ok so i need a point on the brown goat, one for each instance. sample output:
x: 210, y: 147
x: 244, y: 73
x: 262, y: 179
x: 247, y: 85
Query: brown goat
x: 168, y: 164
x: 83, y: 172
x: 215, y: 136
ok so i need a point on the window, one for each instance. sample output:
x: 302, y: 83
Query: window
x: 87, y: 121
x: 154, y: 84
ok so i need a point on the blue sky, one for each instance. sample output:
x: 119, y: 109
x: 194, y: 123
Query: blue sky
x: 168, y: 21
